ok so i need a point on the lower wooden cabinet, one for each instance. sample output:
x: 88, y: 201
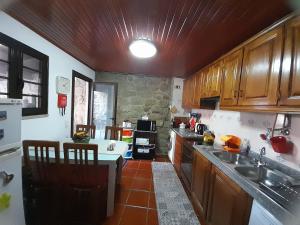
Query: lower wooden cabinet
x: 228, y: 203
x: 178, y: 153
x: 216, y: 198
x: 200, y: 183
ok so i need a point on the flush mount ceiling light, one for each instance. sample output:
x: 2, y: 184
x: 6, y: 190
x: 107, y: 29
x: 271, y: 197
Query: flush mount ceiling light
x: 142, y: 48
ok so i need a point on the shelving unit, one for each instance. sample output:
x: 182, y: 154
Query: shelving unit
x: 144, y: 144
x: 128, y: 137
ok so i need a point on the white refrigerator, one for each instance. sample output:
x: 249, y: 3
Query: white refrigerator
x: 11, y: 197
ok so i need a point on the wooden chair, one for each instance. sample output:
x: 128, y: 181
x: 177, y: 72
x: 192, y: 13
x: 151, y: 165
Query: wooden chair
x: 41, y: 186
x: 85, y: 184
x: 80, y: 152
x: 41, y: 152
x: 90, y: 129
x: 113, y: 133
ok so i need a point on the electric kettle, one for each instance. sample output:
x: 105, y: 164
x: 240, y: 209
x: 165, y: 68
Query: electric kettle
x: 200, y: 128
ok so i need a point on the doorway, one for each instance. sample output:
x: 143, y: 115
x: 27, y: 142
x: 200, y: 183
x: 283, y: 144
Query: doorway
x: 104, y: 106
x: 81, y: 100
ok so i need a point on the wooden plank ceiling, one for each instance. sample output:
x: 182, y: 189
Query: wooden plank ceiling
x: 189, y: 34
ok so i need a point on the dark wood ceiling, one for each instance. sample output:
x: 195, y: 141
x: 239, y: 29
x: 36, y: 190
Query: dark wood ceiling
x: 189, y: 34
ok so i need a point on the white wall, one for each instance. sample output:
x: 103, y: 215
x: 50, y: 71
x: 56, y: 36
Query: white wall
x: 177, y: 97
x: 53, y: 126
x: 250, y: 126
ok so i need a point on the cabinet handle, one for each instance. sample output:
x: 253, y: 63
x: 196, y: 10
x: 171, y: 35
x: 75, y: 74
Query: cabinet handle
x: 235, y: 94
x: 241, y: 93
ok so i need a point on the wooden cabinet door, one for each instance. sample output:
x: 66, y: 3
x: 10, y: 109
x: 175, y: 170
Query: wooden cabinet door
x: 290, y: 80
x: 200, y: 183
x: 178, y: 153
x: 215, y: 79
x: 228, y: 203
x: 231, y: 78
x: 186, y: 94
x: 205, y: 83
x: 197, y: 90
x: 195, y: 101
x: 261, y: 70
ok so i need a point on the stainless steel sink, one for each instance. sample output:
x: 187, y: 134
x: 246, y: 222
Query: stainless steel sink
x: 265, y: 176
x: 232, y: 158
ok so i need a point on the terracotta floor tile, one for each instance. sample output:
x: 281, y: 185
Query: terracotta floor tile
x: 145, y: 166
x: 132, y: 164
x: 152, y: 217
x: 122, y: 196
x: 138, y: 198
x: 144, y: 174
x: 141, y: 184
x: 134, y: 216
x: 128, y: 172
x: 152, y: 201
x: 126, y: 183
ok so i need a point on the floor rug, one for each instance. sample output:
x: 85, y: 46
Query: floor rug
x: 173, y: 205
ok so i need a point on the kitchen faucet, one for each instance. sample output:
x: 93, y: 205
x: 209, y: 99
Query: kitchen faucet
x: 260, y: 162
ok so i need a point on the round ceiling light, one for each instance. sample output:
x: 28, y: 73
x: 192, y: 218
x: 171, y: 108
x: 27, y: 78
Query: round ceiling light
x: 142, y: 48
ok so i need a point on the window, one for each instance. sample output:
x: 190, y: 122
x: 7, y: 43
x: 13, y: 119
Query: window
x: 24, y: 75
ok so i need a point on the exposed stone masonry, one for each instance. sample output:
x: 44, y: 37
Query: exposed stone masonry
x: 139, y: 95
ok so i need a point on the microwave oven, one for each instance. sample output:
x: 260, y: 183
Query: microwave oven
x: 146, y: 125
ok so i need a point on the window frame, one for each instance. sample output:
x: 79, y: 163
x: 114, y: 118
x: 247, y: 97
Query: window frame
x: 15, y: 73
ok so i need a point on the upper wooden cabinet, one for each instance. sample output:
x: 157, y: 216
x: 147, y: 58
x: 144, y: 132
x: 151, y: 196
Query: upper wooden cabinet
x: 231, y: 78
x: 261, y: 70
x: 215, y: 78
x: 195, y: 91
x: 290, y: 80
x: 228, y: 203
x: 262, y: 74
x: 190, y: 96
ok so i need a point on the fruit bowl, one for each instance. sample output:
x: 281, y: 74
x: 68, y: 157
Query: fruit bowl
x: 81, y: 137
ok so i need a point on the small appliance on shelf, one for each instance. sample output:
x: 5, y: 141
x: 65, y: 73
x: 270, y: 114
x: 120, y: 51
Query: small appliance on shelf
x: 144, y: 140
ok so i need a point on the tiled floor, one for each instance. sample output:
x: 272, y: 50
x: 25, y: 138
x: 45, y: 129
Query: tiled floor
x: 135, y: 200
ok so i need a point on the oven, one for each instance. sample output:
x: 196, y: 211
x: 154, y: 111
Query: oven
x: 186, y: 168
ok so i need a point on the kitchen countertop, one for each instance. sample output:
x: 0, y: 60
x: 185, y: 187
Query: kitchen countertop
x: 250, y: 187
x: 187, y: 133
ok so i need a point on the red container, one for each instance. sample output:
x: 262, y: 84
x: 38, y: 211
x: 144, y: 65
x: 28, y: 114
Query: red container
x: 127, y: 132
x: 281, y: 145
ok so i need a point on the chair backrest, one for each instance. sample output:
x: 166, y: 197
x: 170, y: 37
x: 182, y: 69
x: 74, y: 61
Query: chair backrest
x: 90, y: 129
x: 81, y: 153
x: 113, y: 133
x: 43, y: 152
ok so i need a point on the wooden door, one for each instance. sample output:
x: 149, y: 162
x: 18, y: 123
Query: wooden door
x: 261, y: 70
x: 228, y: 203
x: 290, y: 80
x: 215, y: 79
x: 231, y: 78
x: 200, y: 183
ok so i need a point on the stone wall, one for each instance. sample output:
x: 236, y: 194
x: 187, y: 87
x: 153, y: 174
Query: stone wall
x: 139, y: 95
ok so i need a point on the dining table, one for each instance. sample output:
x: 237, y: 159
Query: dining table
x: 110, y: 153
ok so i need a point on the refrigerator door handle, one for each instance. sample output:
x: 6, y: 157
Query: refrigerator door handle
x: 7, y: 178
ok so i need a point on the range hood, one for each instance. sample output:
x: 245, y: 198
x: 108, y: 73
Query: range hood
x: 209, y: 103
